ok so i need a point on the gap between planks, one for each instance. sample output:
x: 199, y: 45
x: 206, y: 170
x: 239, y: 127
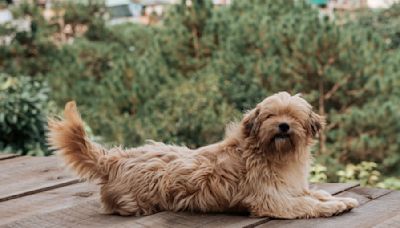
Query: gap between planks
x: 23, y: 176
x: 46, y: 201
x: 7, y: 156
x: 38, y: 190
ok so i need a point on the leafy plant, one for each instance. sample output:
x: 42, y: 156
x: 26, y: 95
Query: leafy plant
x: 318, y: 174
x: 23, y: 105
x: 365, y: 173
x: 390, y: 183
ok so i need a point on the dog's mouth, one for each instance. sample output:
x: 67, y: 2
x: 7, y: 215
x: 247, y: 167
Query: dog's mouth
x: 281, y: 136
x: 280, y: 143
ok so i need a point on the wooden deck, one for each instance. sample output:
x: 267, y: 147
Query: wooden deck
x: 36, y: 192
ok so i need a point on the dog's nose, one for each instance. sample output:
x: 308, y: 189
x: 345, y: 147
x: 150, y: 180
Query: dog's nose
x: 284, y: 127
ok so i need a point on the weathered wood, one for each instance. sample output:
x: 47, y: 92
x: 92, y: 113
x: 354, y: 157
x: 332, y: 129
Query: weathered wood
x: 7, y: 156
x: 186, y: 219
x: 85, y: 214
x: 375, y: 212
x: 46, y: 201
x: 390, y: 223
x: 370, y: 193
x: 88, y: 214
x: 26, y: 175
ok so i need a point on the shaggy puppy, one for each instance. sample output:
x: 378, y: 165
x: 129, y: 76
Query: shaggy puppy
x: 260, y: 167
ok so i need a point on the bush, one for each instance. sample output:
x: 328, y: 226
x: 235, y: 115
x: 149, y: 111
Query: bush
x: 365, y: 173
x: 390, y: 183
x: 23, y: 105
x: 318, y: 174
x: 192, y: 113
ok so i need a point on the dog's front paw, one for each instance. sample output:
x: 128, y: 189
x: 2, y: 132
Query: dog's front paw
x: 331, y: 208
x: 350, y: 202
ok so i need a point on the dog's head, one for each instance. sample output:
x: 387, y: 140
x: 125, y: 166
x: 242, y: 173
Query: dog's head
x: 282, y: 123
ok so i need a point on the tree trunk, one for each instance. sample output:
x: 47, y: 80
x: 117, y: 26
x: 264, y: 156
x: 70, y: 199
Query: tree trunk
x: 196, y: 42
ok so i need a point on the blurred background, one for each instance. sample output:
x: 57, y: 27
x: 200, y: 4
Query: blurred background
x: 179, y: 71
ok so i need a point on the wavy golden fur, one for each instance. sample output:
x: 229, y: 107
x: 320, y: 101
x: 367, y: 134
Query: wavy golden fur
x: 261, y: 166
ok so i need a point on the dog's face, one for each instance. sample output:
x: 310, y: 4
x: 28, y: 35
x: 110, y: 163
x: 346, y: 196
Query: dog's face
x: 282, y: 123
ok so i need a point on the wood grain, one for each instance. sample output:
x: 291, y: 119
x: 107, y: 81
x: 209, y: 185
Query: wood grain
x: 26, y: 175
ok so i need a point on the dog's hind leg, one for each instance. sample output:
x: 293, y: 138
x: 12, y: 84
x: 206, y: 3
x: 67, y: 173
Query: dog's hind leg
x: 119, y: 199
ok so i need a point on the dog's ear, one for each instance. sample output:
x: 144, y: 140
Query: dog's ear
x: 315, y: 124
x: 250, y: 123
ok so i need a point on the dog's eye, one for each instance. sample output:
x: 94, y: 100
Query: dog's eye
x: 270, y: 115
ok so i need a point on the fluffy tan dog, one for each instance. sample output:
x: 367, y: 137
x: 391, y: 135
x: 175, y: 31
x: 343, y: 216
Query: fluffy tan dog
x: 260, y: 167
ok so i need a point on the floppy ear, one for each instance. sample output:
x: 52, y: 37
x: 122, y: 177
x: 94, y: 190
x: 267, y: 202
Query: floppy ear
x: 250, y: 123
x: 315, y: 123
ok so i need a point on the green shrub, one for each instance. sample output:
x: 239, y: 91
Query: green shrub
x: 318, y: 174
x: 365, y: 173
x: 23, y: 105
x: 390, y: 183
x: 192, y: 113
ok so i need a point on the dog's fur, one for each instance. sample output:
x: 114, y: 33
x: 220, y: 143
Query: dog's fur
x: 257, y: 168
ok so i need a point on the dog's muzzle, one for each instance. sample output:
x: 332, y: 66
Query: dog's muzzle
x: 281, y: 136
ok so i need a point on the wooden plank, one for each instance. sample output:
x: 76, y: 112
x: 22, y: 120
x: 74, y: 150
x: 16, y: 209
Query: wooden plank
x: 371, y: 193
x: 7, y: 156
x: 47, y: 201
x: 186, y: 219
x: 374, y: 212
x: 89, y: 214
x: 27, y: 175
x: 364, y: 195
x: 390, y: 223
x: 85, y: 214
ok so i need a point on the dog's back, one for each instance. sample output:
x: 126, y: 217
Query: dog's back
x: 150, y: 178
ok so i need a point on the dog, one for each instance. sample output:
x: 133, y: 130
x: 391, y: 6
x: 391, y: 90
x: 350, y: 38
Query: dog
x: 261, y: 167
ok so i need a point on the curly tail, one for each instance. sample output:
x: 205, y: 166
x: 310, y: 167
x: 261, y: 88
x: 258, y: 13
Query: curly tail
x: 69, y: 139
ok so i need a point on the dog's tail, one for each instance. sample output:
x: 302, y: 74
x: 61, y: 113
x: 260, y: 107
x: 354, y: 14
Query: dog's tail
x: 68, y: 138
